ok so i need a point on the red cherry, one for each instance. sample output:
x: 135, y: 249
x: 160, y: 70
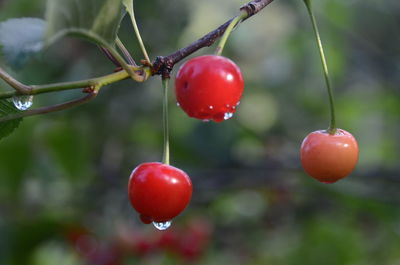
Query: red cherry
x: 209, y: 87
x: 195, y: 239
x: 145, y: 219
x: 159, y: 192
x: 327, y: 157
x: 143, y: 246
x: 168, y: 240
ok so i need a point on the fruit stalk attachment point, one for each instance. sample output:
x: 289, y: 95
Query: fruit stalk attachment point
x: 235, y: 21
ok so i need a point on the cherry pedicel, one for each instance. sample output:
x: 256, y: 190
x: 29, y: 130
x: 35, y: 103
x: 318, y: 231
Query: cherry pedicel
x: 329, y: 157
x: 209, y: 87
x: 159, y: 192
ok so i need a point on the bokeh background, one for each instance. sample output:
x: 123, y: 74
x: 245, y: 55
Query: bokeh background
x: 63, y: 176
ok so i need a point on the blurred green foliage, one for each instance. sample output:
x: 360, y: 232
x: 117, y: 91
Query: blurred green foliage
x: 68, y: 171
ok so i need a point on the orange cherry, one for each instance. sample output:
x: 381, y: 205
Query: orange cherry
x: 328, y: 157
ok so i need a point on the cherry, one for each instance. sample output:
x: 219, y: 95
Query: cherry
x: 168, y: 240
x: 195, y: 239
x: 159, y: 192
x: 209, y: 87
x: 328, y: 157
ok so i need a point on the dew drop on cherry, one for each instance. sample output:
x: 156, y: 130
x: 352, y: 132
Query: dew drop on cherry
x: 162, y: 225
x: 228, y: 115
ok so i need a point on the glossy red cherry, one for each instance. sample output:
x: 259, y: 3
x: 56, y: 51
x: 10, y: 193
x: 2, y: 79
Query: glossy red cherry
x: 209, y: 87
x: 327, y: 157
x: 159, y: 192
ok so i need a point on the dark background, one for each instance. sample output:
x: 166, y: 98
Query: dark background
x: 63, y: 176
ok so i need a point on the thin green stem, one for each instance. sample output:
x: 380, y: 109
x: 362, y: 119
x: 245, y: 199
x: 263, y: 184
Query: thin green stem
x: 93, y: 86
x: 235, y: 21
x: 137, y: 32
x: 49, y: 109
x: 165, y: 158
x: 121, y: 61
x: 109, y: 56
x: 140, y: 75
x: 18, y: 86
x: 332, y: 125
x: 125, y: 52
x: 95, y: 38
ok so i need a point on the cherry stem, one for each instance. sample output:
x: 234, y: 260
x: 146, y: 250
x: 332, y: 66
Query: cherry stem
x: 138, y: 36
x: 235, y: 21
x: 165, y: 158
x: 125, y: 52
x: 332, y: 125
x: 110, y: 57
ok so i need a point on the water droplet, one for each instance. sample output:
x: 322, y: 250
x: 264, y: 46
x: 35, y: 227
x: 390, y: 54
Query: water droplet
x: 228, y: 115
x: 23, y: 102
x: 162, y: 225
x: 227, y: 105
x: 237, y: 104
x: 177, y: 103
x: 210, y: 107
x: 233, y: 107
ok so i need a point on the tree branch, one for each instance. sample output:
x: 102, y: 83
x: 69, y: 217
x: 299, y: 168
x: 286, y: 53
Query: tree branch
x: 254, y: 7
x: 18, y: 86
x: 163, y: 64
x: 53, y: 108
x: 141, y: 74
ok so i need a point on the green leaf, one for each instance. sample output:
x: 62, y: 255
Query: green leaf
x: 20, y: 38
x: 97, y: 20
x: 7, y: 127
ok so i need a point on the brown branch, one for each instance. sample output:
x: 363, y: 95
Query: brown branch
x: 163, y: 65
x: 254, y: 7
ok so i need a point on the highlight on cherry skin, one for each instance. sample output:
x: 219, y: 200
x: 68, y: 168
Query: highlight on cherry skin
x: 329, y: 158
x: 209, y: 87
x: 159, y: 192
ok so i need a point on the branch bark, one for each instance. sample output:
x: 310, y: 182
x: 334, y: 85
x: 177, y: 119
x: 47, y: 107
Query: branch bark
x: 163, y: 65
